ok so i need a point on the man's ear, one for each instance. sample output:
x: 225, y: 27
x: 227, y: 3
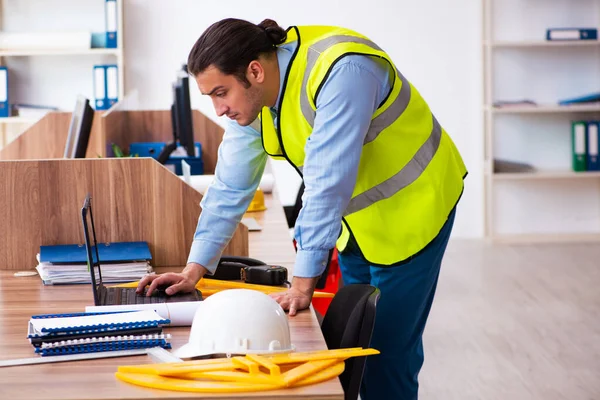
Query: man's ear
x: 255, y: 72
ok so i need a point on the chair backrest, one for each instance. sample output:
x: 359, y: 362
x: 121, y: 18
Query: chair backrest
x: 349, y: 322
x: 293, y: 211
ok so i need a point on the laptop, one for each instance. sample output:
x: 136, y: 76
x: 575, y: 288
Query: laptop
x: 104, y: 296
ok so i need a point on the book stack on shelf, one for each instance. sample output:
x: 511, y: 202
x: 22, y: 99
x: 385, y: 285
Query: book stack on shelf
x: 67, y: 264
x: 76, y: 333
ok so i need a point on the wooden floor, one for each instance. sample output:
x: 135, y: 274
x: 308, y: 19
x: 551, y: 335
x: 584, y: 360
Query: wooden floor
x: 514, y: 322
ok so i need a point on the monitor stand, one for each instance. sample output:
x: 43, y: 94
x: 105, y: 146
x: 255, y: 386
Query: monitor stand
x: 166, y: 152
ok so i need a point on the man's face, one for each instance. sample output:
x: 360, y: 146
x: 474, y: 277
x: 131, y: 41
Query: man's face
x: 230, y: 97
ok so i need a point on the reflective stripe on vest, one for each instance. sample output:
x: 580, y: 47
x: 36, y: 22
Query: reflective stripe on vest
x: 407, y: 175
x: 414, y: 167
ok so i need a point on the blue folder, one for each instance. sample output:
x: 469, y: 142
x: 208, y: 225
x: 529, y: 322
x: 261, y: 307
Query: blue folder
x: 588, y: 98
x: 108, y: 252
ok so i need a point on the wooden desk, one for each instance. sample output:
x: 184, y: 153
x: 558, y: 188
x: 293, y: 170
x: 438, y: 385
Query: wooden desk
x: 94, y: 379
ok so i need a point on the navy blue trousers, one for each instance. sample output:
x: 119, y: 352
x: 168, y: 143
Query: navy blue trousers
x: 407, y: 291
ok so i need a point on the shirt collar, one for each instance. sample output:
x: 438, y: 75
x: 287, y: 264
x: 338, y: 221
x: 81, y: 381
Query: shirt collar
x: 284, y: 56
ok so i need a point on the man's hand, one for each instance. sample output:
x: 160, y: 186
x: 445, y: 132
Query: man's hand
x: 185, y: 281
x: 298, y: 297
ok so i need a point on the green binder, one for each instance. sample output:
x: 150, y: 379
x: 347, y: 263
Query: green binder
x: 579, y: 145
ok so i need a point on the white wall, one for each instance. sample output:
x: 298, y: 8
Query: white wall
x: 435, y: 43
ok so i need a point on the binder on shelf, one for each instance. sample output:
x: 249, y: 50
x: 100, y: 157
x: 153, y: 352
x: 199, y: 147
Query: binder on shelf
x: 579, y: 145
x: 572, y: 34
x: 111, y: 23
x: 106, y: 86
x: 4, y: 106
x: 100, y: 87
x: 112, y: 85
x: 593, y: 163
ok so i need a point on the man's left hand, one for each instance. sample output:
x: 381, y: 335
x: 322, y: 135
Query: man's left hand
x: 297, y: 297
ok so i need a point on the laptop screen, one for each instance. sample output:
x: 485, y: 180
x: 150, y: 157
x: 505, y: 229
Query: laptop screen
x: 91, y: 247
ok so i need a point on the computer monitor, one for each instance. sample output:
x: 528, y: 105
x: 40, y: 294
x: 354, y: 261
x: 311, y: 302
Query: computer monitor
x: 79, y: 129
x: 183, y: 111
x: 181, y: 119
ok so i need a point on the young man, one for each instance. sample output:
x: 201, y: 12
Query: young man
x: 382, y: 177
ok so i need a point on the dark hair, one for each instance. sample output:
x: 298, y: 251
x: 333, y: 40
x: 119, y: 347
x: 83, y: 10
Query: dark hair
x: 231, y: 44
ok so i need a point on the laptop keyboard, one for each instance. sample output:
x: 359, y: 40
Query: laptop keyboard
x: 128, y: 296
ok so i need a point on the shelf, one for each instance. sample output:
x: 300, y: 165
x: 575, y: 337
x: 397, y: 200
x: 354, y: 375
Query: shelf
x: 546, y: 238
x: 540, y: 175
x: 54, y: 52
x: 18, y: 120
x: 543, y: 43
x: 545, y: 109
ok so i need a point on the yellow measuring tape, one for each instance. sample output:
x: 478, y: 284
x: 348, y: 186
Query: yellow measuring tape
x: 212, y: 286
x: 248, y: 373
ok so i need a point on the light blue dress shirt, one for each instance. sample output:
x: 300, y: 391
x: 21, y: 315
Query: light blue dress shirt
x: 356, y: 86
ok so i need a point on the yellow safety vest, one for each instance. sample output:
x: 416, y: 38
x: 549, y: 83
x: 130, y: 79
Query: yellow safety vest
x: 410, y: 175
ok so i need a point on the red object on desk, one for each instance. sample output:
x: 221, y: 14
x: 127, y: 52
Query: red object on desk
x: 332, y: 283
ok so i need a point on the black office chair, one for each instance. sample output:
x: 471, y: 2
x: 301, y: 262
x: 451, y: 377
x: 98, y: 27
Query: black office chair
x: 349, y: 322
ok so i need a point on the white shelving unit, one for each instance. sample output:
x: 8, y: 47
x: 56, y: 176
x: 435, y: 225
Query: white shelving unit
x: 69, y: 71
x: 552, y: 203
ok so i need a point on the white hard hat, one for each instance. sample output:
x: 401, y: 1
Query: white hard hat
x: 238, y: 321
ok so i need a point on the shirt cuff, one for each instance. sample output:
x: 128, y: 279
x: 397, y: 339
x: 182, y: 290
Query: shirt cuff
x: 310, y: 263
x: 206, y: 254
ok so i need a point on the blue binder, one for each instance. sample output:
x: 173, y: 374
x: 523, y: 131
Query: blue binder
x: 112, y: 84
x: 101, y: 101
x: 108, y: 252
x: 593, y: 161
x: 111, y: 23
x: 571, y: 34
x: 4, y: 106
x: 106, y: 85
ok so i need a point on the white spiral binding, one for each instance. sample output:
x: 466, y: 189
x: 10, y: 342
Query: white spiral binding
x: 93, y: 340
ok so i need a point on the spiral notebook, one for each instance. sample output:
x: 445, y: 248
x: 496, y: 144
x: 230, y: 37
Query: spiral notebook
x: 56, y: 324
x: 40, y: 341
x: 109, y: 343
x: 61, y: 334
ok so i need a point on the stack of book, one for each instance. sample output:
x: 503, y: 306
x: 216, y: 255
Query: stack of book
x: 61, y: 334
x: 67, y: 264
